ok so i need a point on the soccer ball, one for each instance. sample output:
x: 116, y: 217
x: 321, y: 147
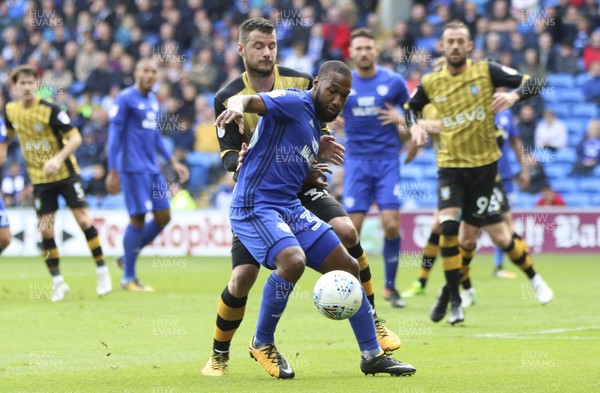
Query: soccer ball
x: 338, y: 295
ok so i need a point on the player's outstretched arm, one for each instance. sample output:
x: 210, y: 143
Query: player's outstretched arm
x: 236, y: 106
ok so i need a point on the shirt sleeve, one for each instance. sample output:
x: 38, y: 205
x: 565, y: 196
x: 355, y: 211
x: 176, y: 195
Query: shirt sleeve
x: 116, y: 128
x: 283, y: 104
x: 60, y: 121
x: 229, y: 137
x: 503, y: 76
x: 401, y: 91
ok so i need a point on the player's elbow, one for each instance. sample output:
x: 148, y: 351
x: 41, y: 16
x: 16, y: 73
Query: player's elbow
x: 75, y: 139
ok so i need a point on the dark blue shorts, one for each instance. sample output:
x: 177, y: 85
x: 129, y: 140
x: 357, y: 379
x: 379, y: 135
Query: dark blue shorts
x: 268, y: 230
x: 368, y: 181
x: 144, y: 192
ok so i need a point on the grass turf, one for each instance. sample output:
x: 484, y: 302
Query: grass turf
x: 157, y: 342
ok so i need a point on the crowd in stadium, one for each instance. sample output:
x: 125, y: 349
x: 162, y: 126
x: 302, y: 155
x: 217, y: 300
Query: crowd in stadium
x: 85, y: 52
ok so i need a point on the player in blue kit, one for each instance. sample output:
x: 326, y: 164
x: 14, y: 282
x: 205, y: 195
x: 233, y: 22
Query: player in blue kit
x: 270, y: 220
x: 133, y: 140
x: 510, y: 139
x: 374, y: 140
x: 5, y: 235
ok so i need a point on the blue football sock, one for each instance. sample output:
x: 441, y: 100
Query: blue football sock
x: 151, y: 230
x: 363, y: 326
x: 132, y: 241
x: 276, y: 293
x: 391, y: 256
x: 498, y: 257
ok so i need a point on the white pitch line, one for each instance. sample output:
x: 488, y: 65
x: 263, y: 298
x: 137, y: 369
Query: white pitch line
x: 523, y: 335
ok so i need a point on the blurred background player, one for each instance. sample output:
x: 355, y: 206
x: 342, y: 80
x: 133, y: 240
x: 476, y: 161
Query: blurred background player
x: 48, y: 140
x: 5, y: 235
x: 467, y: 159
x: 133, y: 139
x: 373, y: 142
x: 258, y: 50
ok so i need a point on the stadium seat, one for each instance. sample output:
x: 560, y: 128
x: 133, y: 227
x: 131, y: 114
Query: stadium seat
x: 113, y: 202
x: 557, y: 170
x: 585, y: 110
x: 411, y: 172
x: 595, y: 200
x: 566, y: 155
x: 561, y: 80
x: 564, y: 185
x: 581, y: 79
x: 569, y: 95
x: 576, y: 199
x: 61, y: 202
x: 526, y: 200
x: 562, y: 111
x: 596, y: 172
x: 169, y: 144
x: 589, y: 185
x: 92, y: 201
x: 430, y: 171
x: 574, y: 139
x: 427, y: 156
x: 576, y: 126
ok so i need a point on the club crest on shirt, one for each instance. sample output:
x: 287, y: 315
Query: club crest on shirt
x: 445, y: 193
x: 141, y: 106
x: 382, y: 90
x: 220, y: 132
x: 276, y: 93
x: 474, y: 90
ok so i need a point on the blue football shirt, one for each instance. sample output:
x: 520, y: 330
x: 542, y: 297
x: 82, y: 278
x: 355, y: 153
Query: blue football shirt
x: 133, y: 134
x: 505, y: 122
x: 366, y: 137
x: 282, y: 148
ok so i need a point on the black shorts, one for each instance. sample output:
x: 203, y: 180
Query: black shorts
x: 470, y: 189
x: 46, y: 195
x: 316, y: 199
x: 498, y: 205
x: 321, y: 203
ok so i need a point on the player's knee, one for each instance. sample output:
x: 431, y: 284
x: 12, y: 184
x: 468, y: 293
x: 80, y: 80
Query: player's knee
x: 449, y: 227
x: 351, y: 266
x: 5, y: 238
x: 347, y: 234
x: 501, y: 240
x: 290, y: 265
x: 163, y: 219
x: 469, y: 244
x: 242, y: 279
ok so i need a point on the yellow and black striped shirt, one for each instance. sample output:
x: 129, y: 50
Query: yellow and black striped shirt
x: 43, y: 130
x: 230, y: 139
x: 464, y: 106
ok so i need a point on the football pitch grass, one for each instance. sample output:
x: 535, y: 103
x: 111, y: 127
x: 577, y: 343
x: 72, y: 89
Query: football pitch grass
x: 158, y: 342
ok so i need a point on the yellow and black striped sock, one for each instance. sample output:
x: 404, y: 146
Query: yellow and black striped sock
x: 467, y: 256
x: 230, y: 313
x: 519, y: 256
x: 516, y: 237
x: 51, y: 256
x: 359, y: 254
x: 91, y: 234
x: 451, y: 258
x: 430, y: 252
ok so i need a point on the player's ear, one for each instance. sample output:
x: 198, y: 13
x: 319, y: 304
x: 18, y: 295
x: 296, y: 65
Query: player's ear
x: 316, y: 81
x: 440, y: 45
x: 240, y: 49
x: 470, y: 46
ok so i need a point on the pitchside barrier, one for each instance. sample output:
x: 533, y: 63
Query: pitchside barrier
x: 207, y: 232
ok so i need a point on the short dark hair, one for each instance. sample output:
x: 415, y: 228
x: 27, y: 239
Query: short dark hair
x: 455, y: 24
x: 367, y: 33
x: 336, y: 66
x: 249, y: 25
x: 25, y: 69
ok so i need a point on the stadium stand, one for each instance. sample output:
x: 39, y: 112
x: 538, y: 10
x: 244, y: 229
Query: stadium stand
x: 196, y: 44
